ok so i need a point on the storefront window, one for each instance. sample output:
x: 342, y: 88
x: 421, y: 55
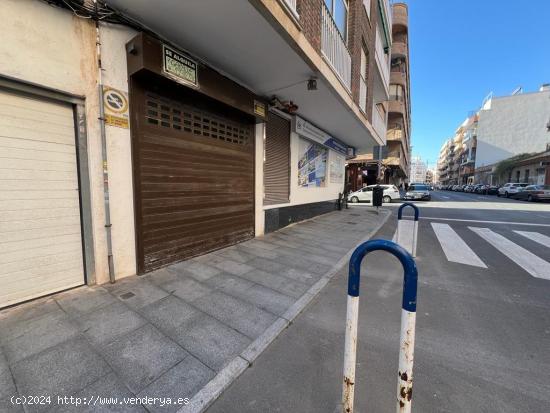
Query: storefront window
x: 312, y: 164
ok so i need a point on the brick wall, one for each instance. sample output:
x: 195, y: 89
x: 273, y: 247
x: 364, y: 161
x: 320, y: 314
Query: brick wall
x: 361, y: 34
x: 310, y: 20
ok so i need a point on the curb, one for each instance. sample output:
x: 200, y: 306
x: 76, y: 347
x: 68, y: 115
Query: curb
x: 215, y: 387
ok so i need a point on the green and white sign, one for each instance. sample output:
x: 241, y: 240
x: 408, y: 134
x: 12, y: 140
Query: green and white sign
x: 179, y: 66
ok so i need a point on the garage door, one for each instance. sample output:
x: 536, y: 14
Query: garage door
x: 194, y: 175
x: 40, y: 235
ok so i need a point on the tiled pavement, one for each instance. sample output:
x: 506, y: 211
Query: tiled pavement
x: 169, y: 333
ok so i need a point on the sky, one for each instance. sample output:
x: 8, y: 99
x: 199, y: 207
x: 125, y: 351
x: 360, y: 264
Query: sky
x: 461, y: 50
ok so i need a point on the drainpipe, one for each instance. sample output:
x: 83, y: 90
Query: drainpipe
x: 108, y: 224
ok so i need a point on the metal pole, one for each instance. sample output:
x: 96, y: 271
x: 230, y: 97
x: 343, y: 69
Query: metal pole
x: 407, y: 322
x: 108, y: 224
x: 415, y: 226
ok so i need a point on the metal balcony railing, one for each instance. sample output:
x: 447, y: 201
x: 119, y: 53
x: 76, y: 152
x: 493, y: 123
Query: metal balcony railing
x: 381, y: 59
x: 333, y: 47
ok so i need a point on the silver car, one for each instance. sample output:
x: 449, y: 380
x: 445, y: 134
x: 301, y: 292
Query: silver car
x: 418, y: 192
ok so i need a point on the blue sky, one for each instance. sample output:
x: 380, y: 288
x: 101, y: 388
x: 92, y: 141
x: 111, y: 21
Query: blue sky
x: 460, y: 50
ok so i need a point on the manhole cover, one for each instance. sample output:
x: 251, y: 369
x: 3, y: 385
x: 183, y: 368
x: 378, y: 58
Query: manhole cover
x: 352, y: 223
x: 355, y: 215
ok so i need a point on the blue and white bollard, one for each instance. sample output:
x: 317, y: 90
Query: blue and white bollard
x: 402, y: 236
x: 408, y: 322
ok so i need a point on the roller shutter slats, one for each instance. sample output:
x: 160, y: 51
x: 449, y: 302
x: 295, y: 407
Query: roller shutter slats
x: 277, y: 161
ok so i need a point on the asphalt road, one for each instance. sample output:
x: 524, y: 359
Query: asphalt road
x: 483, y: 321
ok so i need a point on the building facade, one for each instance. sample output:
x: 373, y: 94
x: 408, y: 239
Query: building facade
x: 511, y: 125
x: 456, y: 163
x: 419, y: 169
x: 390, y: 163
x: 135, y: 138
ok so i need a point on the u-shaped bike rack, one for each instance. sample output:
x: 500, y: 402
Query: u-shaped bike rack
x: 408, y: 322
x: 415, y: 227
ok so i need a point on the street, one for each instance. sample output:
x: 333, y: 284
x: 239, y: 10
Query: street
x: 483, y: 330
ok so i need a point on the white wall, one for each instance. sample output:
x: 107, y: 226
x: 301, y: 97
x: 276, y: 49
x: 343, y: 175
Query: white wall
x: 513, y: 125
x: 119, y: 153
x: 52, y: 48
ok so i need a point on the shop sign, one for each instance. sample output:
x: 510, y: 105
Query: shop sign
x: 179, y: 66
x: 259, y: 109
x: 307, y: 130
x: 115, y: 103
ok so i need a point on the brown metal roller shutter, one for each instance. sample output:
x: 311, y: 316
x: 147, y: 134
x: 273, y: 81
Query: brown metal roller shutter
x: 277, y: 160
x: 194, y: 174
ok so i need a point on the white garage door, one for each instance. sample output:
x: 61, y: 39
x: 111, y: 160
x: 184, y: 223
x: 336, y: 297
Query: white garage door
x: 40, y: 240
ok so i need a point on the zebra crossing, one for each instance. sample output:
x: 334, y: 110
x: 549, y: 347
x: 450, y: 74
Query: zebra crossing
x: 457, y: 250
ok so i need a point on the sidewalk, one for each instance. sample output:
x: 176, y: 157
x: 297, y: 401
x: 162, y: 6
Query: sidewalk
x: 185, y: 331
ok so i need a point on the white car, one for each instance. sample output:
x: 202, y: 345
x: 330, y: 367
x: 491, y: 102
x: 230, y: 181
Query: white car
x: 365, y: 194
x: 510, y: 188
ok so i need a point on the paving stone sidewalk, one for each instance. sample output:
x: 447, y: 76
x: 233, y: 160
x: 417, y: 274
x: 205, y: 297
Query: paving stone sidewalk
x: 184, y: 331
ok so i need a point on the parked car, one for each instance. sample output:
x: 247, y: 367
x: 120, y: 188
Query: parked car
x: 533, y: 193
x: 419, y: 192
x: 493, y: 190
x: 510, y: 188
x: 365, y: 194
x: 482, y: 189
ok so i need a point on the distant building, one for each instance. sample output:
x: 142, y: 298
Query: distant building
x: 418, y: 169
x: 504, y: 127
x: 511, y: 125
x: 431, y: 176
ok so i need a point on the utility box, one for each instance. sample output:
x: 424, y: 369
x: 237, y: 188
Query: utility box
x: 377, y: 195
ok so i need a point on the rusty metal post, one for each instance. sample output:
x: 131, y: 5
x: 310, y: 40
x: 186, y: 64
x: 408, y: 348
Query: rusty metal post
x: 400, y: 229
x: 407, y: 322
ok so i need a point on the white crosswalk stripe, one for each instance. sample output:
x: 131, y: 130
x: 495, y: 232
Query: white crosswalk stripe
x: 454, y: 247
x: 530, y: 262
x: 535, y: 236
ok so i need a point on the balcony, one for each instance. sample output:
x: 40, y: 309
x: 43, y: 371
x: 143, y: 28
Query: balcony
x: 400, y: 17
x: 398, y: 78
x: 333, y: 48
x: 399, y: 49
x: 395, y: 134
x: 397, y: 106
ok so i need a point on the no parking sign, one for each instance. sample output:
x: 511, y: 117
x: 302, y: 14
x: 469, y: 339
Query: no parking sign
x: 116, y: 107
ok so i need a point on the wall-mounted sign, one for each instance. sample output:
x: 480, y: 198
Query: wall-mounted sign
x: 307, y: 130
x: 115, y: 103
x: 259, y: 108
x: 179, y: 66
x: 312, y: 164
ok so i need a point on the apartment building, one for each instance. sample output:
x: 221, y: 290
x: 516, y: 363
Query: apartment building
x: 455, y: 165
x: 134, y: 137
x: 390, y: 163
x: 396, y: 155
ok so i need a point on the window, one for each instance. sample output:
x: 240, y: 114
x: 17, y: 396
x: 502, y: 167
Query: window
x: 339, y: 11
x: 363, y: 81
